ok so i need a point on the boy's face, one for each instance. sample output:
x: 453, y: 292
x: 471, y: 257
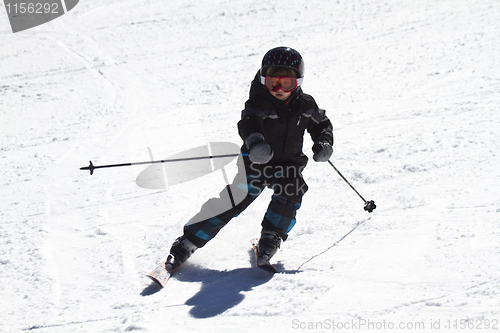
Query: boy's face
x: 277, y: 72
x: 280, y: 94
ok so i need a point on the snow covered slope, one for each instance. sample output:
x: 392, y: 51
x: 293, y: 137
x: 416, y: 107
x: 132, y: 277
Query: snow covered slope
x: 412, y: 88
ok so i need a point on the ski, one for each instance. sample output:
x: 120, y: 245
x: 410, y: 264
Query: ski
x: 262, y: 263
x: 161, y: 274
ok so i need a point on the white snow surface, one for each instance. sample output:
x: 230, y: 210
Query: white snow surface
x: 412, y: 88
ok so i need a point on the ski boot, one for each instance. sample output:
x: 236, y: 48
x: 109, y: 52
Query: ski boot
x: 269, y: 243
x: 181, y: 250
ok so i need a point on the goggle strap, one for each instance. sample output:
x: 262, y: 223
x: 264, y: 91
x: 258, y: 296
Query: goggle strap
x: 263, y: 80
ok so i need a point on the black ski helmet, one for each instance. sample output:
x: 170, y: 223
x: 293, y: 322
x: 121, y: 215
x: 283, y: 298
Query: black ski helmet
x: 285, y: 57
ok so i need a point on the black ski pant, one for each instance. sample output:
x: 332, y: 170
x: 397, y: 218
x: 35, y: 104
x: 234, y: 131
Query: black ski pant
x: 286, y: 182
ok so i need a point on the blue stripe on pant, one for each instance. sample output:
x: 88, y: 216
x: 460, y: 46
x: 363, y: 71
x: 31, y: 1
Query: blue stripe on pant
x: 280, y: 215
x: 200, y: 233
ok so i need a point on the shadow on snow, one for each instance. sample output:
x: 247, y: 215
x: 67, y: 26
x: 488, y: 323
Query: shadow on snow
x: 220, y: 290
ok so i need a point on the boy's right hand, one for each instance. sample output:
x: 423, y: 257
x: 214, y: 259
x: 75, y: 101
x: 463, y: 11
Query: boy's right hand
x: 259, y: 151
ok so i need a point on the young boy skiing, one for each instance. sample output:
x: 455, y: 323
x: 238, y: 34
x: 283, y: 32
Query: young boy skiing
x: 272, y: 127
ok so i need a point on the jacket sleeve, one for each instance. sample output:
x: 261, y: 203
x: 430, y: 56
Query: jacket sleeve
x: 251, y: 120
x: 320, y: 128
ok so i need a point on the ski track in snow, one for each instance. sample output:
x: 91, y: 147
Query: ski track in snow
x: 412, y: 89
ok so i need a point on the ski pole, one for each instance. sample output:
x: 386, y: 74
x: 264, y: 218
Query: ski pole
x: 369, y: 205
x: 92, y: 167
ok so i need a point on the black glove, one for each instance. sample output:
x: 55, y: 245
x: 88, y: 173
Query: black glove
x: 322, y: 151
x: 259, y: 151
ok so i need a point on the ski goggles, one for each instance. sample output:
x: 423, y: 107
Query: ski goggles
x: 286, y: 83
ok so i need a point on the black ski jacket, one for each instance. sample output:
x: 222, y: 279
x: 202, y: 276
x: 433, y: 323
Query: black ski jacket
x: 283, y: 123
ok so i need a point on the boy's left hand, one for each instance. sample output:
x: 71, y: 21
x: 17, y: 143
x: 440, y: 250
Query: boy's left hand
x: 322, y: 151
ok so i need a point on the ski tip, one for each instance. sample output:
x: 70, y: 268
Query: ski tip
x: 160, y: 275
x: 156, y: 281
